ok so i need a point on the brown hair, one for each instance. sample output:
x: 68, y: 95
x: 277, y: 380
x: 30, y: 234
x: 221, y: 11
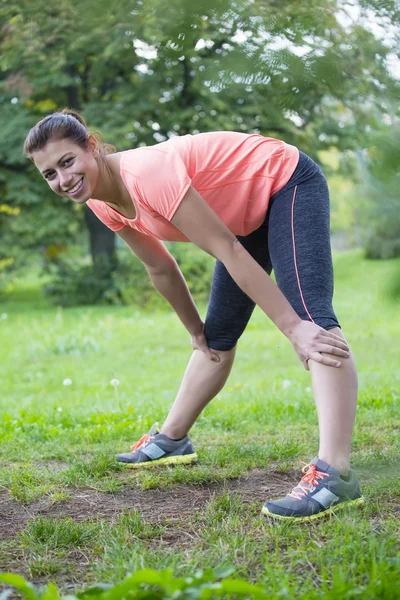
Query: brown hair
x: 65, y: 124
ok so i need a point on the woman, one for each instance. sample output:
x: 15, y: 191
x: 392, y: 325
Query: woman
x: 254, y: 203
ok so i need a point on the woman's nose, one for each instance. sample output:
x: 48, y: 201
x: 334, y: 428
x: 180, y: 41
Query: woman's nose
x: 65, y: 182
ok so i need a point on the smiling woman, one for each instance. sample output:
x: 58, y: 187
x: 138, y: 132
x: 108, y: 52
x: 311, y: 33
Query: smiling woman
x: 254, y: 203
x: 74, y: 162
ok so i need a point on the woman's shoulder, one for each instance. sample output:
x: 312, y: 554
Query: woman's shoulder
x: 149, y: 160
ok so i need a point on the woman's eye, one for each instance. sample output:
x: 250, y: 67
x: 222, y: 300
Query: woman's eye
x: 49, y: 176
x: 68, y: 161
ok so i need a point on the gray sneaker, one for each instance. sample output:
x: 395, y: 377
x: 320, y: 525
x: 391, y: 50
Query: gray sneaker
x: 321, y: 490
x: 157, y: 449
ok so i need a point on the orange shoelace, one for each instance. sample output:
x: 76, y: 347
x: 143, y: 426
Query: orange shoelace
x: 145, y: 438
x: 309, y: 481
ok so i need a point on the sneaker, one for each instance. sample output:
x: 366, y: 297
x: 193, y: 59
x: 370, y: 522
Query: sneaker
x: 321, y: 489
x: 157, y: 449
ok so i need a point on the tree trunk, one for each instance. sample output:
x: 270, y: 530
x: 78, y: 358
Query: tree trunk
x: 102, y: 239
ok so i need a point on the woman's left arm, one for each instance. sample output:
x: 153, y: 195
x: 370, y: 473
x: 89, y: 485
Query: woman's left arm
x: 203, y: 227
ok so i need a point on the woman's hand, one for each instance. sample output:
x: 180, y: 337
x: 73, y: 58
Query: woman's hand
x: 309, y: 341
x: 199, y: 342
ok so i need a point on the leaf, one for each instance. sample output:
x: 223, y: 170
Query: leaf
x: 242, y: 588
x: 27, y: 589
x: 95, y: 590
x: 223, y: 572
x: 51, y: 593
x: 133, y: 582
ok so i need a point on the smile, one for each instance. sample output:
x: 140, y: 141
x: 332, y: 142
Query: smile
x: 76, y: 187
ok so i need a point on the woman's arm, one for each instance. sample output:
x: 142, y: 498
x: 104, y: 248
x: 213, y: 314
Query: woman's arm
x: 167, y: 278
x: 202, y: 226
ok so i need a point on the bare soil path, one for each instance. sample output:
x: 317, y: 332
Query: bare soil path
x: 155, y: 505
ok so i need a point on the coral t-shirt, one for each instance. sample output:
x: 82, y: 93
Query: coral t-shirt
x: 235, y: 173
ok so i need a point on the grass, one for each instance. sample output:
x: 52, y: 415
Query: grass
x: 59, y: 440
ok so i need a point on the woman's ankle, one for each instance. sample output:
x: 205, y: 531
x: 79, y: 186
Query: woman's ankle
x: 339, y: 462
x: 173, y: 433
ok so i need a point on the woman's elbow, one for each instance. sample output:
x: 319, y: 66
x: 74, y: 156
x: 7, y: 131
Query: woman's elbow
x: 231, y: 253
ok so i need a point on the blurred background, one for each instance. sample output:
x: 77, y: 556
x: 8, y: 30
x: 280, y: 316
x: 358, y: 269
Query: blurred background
x: 322, y: 75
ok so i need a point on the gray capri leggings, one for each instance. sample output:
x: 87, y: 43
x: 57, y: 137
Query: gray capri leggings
x: 294, y: 241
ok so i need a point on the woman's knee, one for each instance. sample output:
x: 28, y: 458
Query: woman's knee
x: 224, y: 355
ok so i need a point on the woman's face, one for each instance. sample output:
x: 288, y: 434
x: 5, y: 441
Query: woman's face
x: 70, y: 171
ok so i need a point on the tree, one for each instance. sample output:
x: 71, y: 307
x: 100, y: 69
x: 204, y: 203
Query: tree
x: 141, y: 74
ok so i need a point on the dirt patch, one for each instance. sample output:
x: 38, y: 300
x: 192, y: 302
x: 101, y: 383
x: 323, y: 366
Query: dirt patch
x: 156, y: 506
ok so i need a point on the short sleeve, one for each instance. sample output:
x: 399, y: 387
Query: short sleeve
x: 100, y: 210
x: 164, y: 181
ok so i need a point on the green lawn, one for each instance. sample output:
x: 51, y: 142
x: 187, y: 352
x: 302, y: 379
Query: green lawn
x: 70, y: 514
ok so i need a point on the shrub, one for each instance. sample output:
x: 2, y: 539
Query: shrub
x: 380, y: 175
x: 76, y: 282
x: 383, y: 241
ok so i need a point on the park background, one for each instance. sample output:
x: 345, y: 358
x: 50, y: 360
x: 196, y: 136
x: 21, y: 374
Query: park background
x: 91, y: 356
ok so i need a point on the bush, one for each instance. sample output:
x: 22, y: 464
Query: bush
x: 76, y: 282
x: 380, y: 190
x: 383, y: 237
x: 196, y: 265
x: 7, y: 263
x: 384, y: 241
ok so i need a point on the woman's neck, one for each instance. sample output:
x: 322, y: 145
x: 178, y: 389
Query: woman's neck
x: 110, y: 186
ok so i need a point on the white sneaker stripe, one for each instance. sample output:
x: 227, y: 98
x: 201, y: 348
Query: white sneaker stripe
x: 325, y: 497
x: 153, y: 451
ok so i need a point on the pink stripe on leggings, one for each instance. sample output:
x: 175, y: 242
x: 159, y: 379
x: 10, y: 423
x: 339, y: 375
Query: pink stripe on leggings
x: 295, y: 258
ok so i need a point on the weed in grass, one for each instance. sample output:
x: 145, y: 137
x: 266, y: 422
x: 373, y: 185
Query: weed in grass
x: 11, y: 555
x: 25, y: 483
x: 109, y: 485
x: 131, y: 523
x: 219, y: 508
x: 49, y: 533
x: 45, y: 565
x: 195, y: 475
x: 114, y: 564
x: 81, y: 471
x: 59, y: 495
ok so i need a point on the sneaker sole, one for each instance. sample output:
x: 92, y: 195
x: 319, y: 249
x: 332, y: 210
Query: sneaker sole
x: 169, y: 460
x: 324, y: 513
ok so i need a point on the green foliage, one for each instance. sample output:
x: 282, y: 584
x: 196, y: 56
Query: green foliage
x: 383, y: 241
x: 25, y: 485
x: 76, y: 283
x: 292, y: 71
x: 150, y: 584
x: 133, y: 283
x: 8, y: 262
x: 73, y: 283
x: 59, y: 533
x: 197, y: 267
x: 381, y: 183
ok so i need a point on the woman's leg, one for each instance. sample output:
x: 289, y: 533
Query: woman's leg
x: 299, y: 243
x: 202, y: 381
x: 335, y: 392
x: 299, y: 239
x: 229, y: 311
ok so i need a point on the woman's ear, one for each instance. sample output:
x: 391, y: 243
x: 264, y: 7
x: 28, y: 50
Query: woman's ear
x: 94, y: 146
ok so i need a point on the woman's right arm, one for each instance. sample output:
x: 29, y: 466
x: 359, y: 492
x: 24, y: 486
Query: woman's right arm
x: 166, y: 276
